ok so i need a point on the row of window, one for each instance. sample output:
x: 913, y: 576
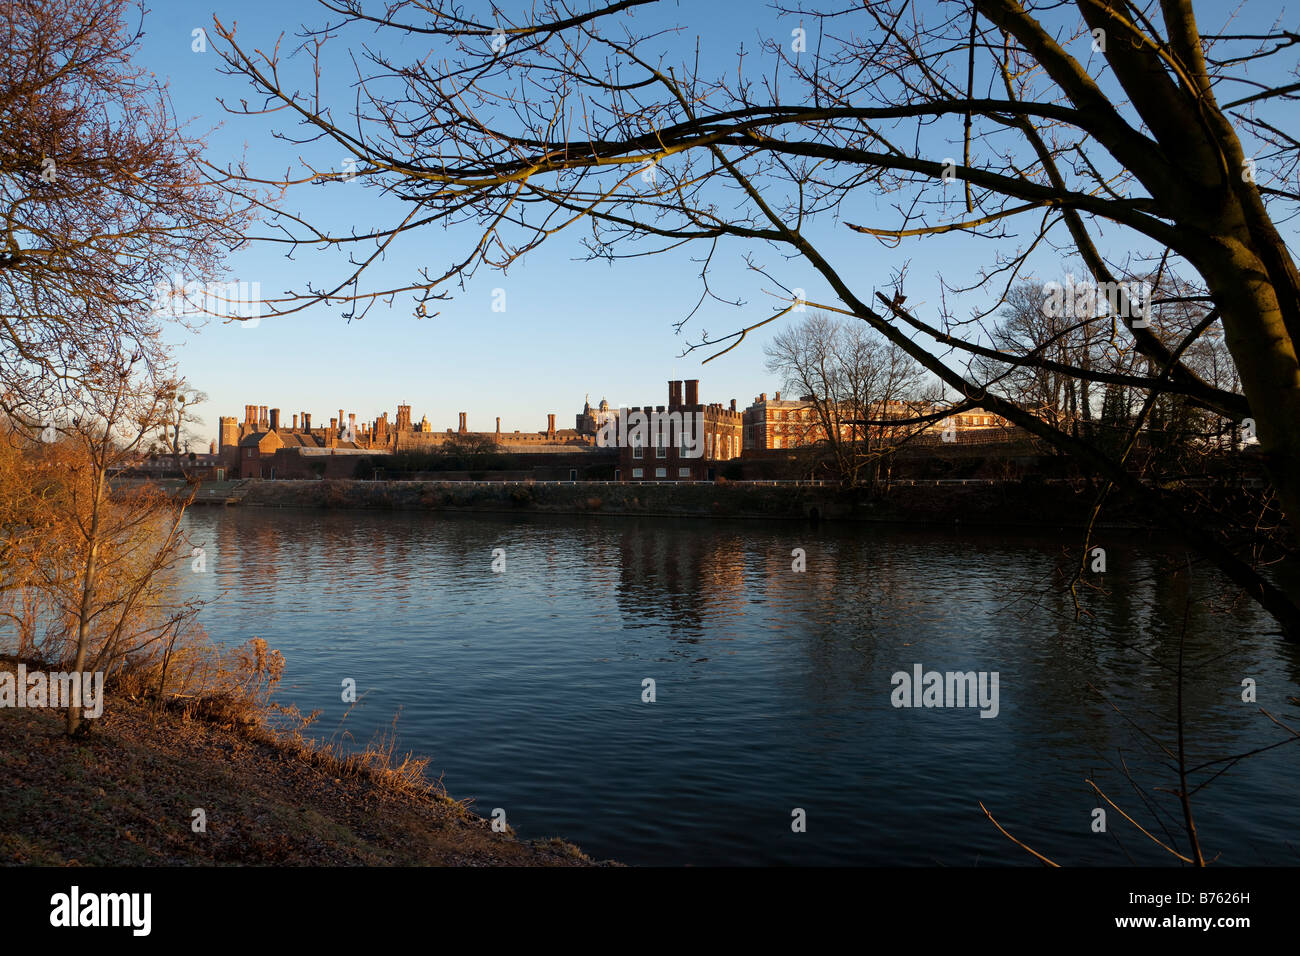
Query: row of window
x: 807, y: 414
x: 661, y: 473
x: 726, y: 445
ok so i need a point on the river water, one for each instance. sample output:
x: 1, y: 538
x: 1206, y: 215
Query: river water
x: 774, y: 689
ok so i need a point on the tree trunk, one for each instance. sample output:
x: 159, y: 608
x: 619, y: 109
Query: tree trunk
x: 87, y: 594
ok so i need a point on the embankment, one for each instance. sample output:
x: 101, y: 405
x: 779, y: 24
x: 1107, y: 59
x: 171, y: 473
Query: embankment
x: 1035, y: 504
x: 126, y: 794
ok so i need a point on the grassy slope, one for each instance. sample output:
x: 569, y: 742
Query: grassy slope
x: 124, y: 795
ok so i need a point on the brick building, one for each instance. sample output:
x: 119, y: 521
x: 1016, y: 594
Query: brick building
x: 706, y: 436
x: 776, y: 424
x: 265, y: 445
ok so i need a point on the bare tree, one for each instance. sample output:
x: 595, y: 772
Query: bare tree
x: 104, y: 195
x: 1027, y: 125
x: 99, y: 572
x: 849, y: 375
x: 178, y: 414
x: 1029, y: 330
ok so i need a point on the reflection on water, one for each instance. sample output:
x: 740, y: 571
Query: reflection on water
x: 772, y: 687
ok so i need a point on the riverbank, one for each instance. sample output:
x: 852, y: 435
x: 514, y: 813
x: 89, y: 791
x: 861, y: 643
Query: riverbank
x: 126, y: 794
x: 1000, y: 505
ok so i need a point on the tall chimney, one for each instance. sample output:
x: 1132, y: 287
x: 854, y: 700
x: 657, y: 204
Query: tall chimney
x: 550, y: 425
x: 334, y: 425
x: 498, y: 425
x: 733, y: 404
x: 261, y: 415
x: 295, y: 421
x: 340, y: 418
x: 692, y: 391
x: 275, y: 419
x: 464, y: 426
x: 306, y: 421
x: 674, y: 395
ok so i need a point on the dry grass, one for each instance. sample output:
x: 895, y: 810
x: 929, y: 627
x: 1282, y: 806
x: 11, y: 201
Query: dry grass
x: 123, y: 795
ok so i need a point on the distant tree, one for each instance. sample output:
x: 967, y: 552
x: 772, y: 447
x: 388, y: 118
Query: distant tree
x: 470, y: 452
x: 178, y: 414
x: 848, y: 373
x: 1029, y: 330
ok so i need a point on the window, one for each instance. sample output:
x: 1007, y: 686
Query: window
x: 637, y: 452
x: 661, y: 472
x: 661, y: 451
x: 683, y: 473
x: 638, y: 472
x: 776, y: 442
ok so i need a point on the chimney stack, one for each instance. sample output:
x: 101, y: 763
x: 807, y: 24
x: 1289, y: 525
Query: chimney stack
x: 275, y: 419
x: 733, y: 404
x: 464, y: 426
x: 762, y: 398
x: 498, y: 426
x: 295, y: 422
x: 778, y: 397
x: 334, y: 425
x: 692, y: 391
x: 674, y: 395
x: 261, y: 416
x: 306, y: 422
x: 550, y: 425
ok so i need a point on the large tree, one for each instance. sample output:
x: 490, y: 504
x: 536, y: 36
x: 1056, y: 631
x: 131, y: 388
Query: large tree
x: 105, y: 198
x: 104, y: 194
x: 1113, y: 130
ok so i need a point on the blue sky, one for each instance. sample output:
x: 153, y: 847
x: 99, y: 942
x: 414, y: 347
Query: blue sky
x: 570, y: 328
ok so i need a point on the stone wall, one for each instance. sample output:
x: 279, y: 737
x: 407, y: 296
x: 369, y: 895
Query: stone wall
x: 632, y: 499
